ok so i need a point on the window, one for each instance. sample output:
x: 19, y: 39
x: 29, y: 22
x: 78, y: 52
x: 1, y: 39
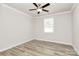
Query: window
x: 48, y: 25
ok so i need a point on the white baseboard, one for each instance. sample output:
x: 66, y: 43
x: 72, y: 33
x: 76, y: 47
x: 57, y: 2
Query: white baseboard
x: 76, y: 50
x: 56, y: 42
x: 14, y: 45
x: 30, y: 40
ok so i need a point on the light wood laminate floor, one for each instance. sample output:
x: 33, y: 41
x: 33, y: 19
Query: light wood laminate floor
x: 40, y: 48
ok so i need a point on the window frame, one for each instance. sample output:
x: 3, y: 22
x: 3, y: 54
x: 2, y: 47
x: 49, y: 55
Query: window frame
x: 52, y: 28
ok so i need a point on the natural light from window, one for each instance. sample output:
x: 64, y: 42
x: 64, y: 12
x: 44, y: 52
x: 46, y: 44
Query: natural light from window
x: 49, y: 25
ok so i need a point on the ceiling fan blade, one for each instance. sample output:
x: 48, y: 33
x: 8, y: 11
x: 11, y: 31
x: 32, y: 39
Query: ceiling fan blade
x: 45, y: 5
x: 38, y: 12
x: 45, y: 10
x: 35, y: 5
x: 31, y: 9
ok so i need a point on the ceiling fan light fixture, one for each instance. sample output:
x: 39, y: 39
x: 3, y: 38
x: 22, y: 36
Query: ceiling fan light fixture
x: 39, y: 10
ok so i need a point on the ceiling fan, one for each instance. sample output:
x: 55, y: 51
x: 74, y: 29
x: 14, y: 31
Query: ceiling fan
x: 40, y: 8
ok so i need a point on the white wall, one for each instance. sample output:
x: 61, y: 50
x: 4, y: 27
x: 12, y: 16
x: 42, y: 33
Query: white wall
x: 76, y: 28
x: 15, y: 27
x: 62, y: 28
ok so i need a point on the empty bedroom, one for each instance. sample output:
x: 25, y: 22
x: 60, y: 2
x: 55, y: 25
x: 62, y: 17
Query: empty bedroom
x: 39, y: 29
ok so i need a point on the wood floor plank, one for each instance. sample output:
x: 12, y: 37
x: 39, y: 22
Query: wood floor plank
x: 40, y: 48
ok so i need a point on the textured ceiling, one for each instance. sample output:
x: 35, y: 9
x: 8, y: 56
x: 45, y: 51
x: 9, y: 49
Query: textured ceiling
x: 53, y: 8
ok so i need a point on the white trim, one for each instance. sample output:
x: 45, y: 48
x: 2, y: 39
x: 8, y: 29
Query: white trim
x: 56, y: 42
x: 14, y: 9
x: 59, y: 13
x: 5, y: 5
x: 62, y: 12
x: 76, y: 50
x: 36, y: 39
x: 14, y: 45
x: 73, y: 7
